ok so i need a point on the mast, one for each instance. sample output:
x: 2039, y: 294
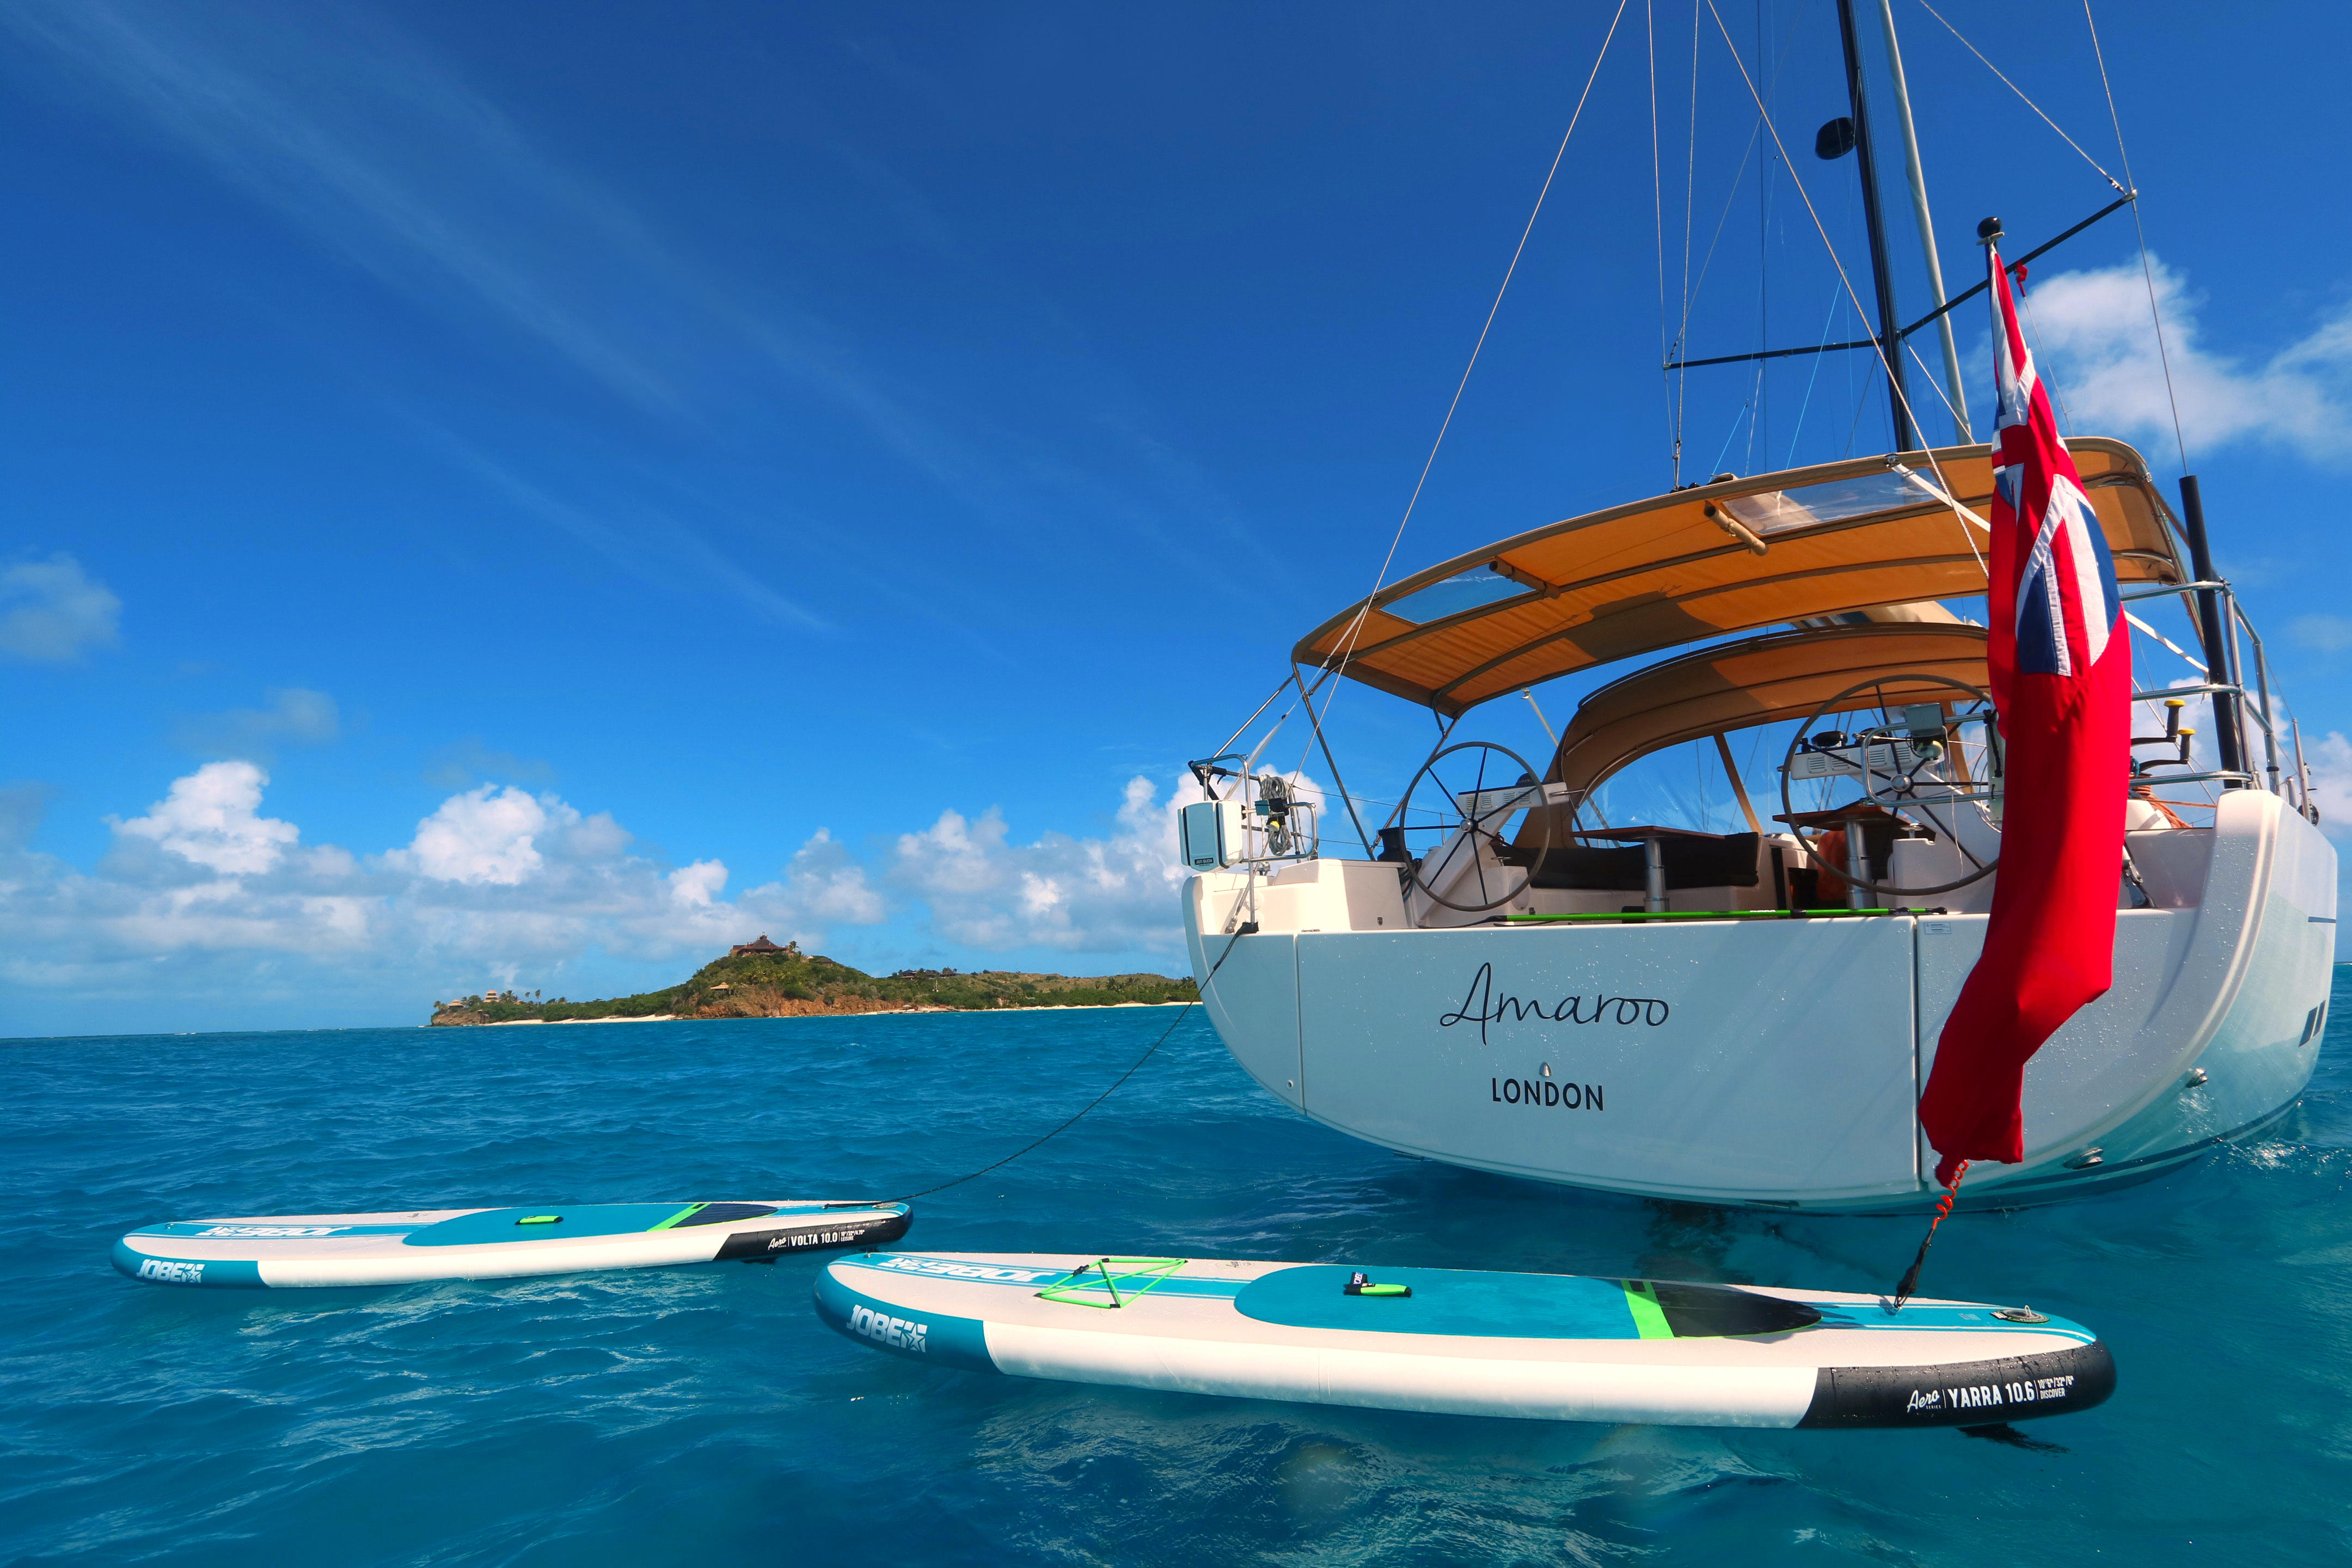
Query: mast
x: 1890, y: 346
x: 1926, y: 223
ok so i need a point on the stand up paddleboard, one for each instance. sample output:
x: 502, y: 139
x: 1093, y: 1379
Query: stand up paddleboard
x: 282, y: 1250
x: 1544, y: 1346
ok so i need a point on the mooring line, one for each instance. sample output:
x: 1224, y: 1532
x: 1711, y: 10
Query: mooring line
x: 1098, y: 1099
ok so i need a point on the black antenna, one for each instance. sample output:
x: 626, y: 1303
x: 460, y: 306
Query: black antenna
x: 1890, y: 345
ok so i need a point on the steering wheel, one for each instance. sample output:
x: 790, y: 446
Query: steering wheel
x: 1900, y: 785
x: 1485, y: 820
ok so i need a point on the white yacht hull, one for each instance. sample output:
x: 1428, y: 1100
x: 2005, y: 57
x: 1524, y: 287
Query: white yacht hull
x: 1773, y: 1062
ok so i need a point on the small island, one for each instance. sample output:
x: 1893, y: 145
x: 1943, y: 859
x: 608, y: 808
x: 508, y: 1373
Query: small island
x: 760, y: 980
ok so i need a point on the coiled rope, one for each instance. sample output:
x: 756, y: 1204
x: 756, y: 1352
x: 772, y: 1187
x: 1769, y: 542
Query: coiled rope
x: 1910, y: 1281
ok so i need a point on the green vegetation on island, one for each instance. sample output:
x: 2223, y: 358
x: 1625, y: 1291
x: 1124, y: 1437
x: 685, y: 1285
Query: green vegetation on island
x: 761, y: 981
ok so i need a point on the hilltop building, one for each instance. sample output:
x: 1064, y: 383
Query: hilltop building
x: 762, y: 948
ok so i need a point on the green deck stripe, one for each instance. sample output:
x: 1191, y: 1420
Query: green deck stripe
x: 688, y: 1212
x: 1648, y: 1316
x: 1706, y: 915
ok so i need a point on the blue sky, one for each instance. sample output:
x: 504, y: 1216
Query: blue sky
x: 531, y: 496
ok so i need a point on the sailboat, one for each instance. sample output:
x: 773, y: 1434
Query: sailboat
x: 1510, y: 981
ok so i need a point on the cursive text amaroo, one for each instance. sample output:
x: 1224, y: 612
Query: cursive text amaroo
x: 1483, y: 1007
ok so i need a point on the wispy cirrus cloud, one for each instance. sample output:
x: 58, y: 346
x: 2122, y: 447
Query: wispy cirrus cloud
x: 647, y: 544
x: 363, y: 138
x: 360, y: 138
x: 2327, y: 633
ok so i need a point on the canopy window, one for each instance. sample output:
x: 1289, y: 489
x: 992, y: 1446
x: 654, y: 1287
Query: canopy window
x: 1709, y: 562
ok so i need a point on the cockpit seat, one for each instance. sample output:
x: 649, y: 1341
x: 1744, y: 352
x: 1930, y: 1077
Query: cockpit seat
x: 1727, y: 860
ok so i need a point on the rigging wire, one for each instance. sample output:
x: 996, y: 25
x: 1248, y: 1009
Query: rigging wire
x: 1692, y: 287
x: 1939, y: 391
x: 1960, y: 514
x: 1690, y: 195
x: 1887, y: 352
x: 1763, y: 266
x: 2163, y: 354
x: 1745, y: 410
x: 1794, y: 436
x: 1252, y: 718
x: 1759, y: 427
x: 2121, y: 189
x: 1854, y: 426
x: 1723, y: 219
x: 1658, y: 213
x: 2041, y: 360
x: 1356, y: 626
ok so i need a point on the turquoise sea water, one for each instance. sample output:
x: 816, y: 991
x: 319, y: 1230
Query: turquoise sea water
x: 705, y: 1416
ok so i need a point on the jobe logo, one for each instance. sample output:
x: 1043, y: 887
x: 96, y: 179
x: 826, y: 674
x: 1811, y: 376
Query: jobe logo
x: 269, y: 1232
x: 895, y: 1333
x: 998, y: 1273
x: 172, y: 1271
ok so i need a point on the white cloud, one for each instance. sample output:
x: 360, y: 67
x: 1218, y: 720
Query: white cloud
x: 295, y: 715
x: 824, y: 880
x: 22, y: 807
x: 52, y: 611
x: 485, y: 835
x: 2331, y: 783
x: 207, y: 901
x: 694, y: 886
x: 205, y: 895
x: 2103, y: 361
x: 1079, y: 895
x: 210, y: 820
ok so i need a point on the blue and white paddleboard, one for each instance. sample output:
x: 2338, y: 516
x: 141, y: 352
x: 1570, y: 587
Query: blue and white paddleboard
x: 1552, y: 1347
x: 399, y: 1248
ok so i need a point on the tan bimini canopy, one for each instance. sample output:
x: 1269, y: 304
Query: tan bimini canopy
x: 1763, y: 680
x: 1709, y: 562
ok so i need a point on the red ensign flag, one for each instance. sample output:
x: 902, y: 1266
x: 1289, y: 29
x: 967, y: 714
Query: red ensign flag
x: 2061, y: 670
